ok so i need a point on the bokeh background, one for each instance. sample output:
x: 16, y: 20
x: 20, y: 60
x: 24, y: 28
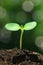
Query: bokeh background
x: 21, y: 12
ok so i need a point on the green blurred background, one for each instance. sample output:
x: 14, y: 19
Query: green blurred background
x: 21, y: 12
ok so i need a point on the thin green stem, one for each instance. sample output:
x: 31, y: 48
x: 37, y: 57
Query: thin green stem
x: 21, y: 38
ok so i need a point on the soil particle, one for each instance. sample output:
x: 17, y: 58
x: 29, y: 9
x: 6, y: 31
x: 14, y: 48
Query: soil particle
x: 20, y: 57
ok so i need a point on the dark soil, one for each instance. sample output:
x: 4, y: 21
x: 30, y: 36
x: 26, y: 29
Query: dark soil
x: 20, y: 57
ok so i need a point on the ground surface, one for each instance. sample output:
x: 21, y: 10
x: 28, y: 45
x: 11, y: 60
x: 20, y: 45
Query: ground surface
x: 20, y: 57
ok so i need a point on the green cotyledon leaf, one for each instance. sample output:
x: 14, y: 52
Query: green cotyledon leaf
x: 30, y: 25
x: 12, y: 26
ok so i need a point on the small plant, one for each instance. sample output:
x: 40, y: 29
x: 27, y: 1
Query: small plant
x: 16, y: 27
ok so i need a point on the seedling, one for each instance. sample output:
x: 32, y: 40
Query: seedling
x: 16, y: 27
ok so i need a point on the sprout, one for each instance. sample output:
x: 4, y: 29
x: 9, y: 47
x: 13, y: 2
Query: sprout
x: 16, y: 27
